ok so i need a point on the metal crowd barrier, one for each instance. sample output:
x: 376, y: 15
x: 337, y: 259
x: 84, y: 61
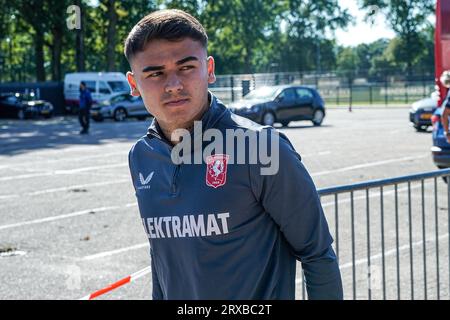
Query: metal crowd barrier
x: 416, y: 266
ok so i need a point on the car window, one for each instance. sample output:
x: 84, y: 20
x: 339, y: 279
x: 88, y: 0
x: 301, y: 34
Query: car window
x: 304, y: 94
x: 119, y: 98
x: 90, y: 85
x: 262, y: 93
x: 288, y: 95
x: 103, y: 88
x: 119, y: 86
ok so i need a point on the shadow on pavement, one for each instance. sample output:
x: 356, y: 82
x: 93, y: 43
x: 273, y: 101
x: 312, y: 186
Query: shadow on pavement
x: 17, y: 137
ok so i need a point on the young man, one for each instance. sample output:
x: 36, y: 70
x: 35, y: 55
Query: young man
x: 85, y: 107
x: 217, y: 229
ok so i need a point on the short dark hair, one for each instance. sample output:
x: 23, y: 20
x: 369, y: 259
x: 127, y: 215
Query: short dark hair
x: 169, y: 24
x: 83, y: 83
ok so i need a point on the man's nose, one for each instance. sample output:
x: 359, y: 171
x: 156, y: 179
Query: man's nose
x: 173, y: 84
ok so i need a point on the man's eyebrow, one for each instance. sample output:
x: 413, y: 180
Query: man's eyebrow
x: 187, y: 59
x: 179, y: 62
x: 152, y: 68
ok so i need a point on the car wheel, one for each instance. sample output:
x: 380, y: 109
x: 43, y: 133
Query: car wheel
x: 120, y: 114
x: 318, y: 117
x: 21, y: 114
x: 268, y: 119
x: 285, y: 123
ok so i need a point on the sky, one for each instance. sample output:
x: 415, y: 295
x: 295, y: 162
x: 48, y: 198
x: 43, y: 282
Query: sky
x: 362, y: 32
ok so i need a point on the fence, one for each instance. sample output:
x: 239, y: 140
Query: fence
x: 361, y: 89
x: 396, y: 247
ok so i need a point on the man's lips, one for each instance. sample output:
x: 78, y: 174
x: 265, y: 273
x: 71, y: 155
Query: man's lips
x: 177, y: 102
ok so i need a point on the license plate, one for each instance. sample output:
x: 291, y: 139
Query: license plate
x: 426, y: 116
x: 94, y: 113
x: 45, y: 111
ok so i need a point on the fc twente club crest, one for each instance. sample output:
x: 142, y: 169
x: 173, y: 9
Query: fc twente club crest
x: 216, y: 170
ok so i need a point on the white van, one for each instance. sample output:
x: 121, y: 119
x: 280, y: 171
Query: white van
x: 102, y: 85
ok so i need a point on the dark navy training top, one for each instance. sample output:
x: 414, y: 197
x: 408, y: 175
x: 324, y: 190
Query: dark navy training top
x: 222, y: 230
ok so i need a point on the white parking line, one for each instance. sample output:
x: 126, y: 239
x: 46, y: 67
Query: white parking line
x: 113, y: 252
x: 391, y: 252
x: 63, y: 160
x: 371, y: 195
x: 56, y: 172
x: 323, y: 153
x: 87, y: 185
x: 388, y: 253
x: 63, y: 216
x: 78, y: 170
x: 366, y: 165
x: 65, y: 149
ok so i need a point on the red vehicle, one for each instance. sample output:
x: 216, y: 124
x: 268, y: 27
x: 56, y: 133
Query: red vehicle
x: 442, y: 44
x: 441, y: 148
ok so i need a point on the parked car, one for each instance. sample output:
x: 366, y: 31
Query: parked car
x: 21, y: 106
x: 120, y: 107
x: 282, y: 104
x: 421, y: 112
x: 441, y: 148
x: 102, y: 85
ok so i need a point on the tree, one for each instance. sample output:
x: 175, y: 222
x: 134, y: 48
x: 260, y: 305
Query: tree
x: 111, y: 35
x: 308, y: 22
x: 348, y: 63
x: 54, y: 11
x: 407, y: 18
x: 238, y: 31
x: 79, y: 39
x: 32, y: 12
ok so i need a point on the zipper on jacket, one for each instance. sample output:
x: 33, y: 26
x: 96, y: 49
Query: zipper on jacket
x: 174, y: 186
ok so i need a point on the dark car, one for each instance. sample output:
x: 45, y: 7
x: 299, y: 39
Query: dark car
x: 120, y: 107
x: 282, y: 104
x: 421, y: 112
x: 21, y: 106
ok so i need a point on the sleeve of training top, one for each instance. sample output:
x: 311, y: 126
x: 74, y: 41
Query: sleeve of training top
x: 291, y: 199
x: 156, y: 291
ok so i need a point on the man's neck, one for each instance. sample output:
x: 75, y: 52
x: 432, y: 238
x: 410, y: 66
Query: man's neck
x: 167, y: 130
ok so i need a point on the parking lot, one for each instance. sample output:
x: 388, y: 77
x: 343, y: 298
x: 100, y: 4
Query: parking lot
x: 67, y: 205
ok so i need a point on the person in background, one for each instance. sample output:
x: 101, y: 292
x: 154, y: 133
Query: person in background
x: 85, y: 107
x: 445, y: 80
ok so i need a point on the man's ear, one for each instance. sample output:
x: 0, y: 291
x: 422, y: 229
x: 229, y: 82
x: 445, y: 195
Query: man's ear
x: 133, y: 86
x: 211, y: 70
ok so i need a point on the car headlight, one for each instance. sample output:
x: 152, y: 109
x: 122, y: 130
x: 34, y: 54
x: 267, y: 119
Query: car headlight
x: 255, y: 108
x: 245, y: 108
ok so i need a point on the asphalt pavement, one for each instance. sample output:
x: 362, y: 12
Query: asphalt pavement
x: 69, y: 223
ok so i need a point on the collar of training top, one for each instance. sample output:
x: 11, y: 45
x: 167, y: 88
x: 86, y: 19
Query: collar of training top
x: 210, y: 117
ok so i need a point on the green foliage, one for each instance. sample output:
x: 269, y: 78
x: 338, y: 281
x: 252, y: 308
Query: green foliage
x: 245, y: 36
x: 408, y: 18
